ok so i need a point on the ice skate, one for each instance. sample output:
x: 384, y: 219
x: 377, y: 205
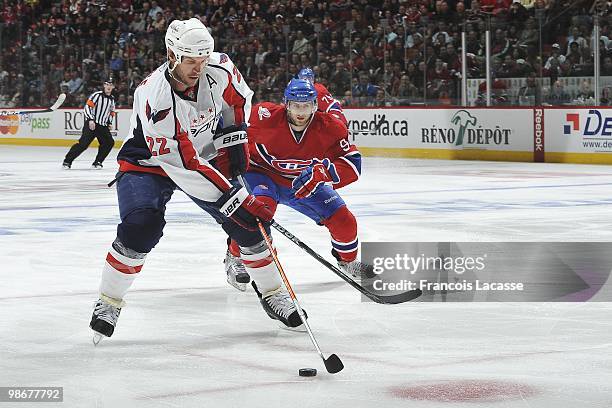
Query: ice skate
x: 104, y: 318
x: 237, y: 276
x: 96, y: 165
x: 66, y: 165
x: 279, y: 306
x: 355, y: 268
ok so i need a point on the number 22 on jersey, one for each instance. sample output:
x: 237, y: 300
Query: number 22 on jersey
x: 157, y: 145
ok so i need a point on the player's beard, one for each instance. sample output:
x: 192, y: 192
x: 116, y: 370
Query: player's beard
x: 293, y: 122
x: 182, y: 78
x: 177, y: 78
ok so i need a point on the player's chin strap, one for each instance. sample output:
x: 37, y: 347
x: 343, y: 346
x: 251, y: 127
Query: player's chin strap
x: 171, y: 68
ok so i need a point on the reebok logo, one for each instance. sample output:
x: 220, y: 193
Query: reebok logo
x: 330, y: 199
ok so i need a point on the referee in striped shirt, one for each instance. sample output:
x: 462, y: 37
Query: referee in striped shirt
x: 99, y: 114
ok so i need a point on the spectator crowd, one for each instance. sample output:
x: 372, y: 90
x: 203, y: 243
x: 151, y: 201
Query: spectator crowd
x: 368, y: 53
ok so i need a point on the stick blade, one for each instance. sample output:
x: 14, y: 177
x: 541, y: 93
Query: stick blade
x: 60, y: 100
x: 333, y: 364
x: 396, y: 299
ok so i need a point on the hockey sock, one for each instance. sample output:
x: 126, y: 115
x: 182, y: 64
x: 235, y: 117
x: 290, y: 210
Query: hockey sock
x: 259, y: 265
x: 343, y: 229
x: 233, y: 247
x: 120, y: 269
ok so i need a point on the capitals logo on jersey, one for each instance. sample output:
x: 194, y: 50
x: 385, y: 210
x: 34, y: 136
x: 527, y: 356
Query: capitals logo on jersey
x: 204, y: 122
x: 156, y: 115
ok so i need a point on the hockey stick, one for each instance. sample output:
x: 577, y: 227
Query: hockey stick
x: 377, y: 126
x: 333, y: 364
x: 385, y: 299
x: 60, y: 100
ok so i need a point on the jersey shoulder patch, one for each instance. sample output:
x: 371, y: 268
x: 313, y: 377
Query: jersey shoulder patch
x: 221, y: 59
x: 265, y: 110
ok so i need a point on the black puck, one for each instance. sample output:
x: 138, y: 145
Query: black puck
x: 243, y: 278
x: 308, y: 372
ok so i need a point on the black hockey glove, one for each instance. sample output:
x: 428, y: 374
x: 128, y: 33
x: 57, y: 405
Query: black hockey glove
x: 232, y: 147
x: 244, y: 208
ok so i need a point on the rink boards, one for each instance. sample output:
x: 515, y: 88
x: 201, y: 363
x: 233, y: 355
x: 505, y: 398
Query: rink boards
x: 570, y: 135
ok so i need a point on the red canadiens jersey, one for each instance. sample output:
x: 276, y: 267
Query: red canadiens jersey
x: 327, y: 103
x: 280, y: 154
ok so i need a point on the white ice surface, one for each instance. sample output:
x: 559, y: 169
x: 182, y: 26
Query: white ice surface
x: 186, y: 339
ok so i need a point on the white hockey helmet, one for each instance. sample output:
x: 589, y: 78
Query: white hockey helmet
x: 189, y: 38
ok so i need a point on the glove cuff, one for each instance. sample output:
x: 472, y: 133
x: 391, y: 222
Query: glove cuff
x: 236, y: 196
x: 230, y: 139
x: 230, y: 136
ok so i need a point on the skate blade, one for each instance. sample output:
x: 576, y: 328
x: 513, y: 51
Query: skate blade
x: 238, y: 286
x: 97, y: 338
x: 299, y: 329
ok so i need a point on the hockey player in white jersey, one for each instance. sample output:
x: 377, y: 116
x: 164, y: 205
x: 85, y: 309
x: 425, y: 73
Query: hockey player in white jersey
x: 187, y: 131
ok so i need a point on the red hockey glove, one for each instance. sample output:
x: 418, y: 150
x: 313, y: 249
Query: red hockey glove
x: 244, y: 208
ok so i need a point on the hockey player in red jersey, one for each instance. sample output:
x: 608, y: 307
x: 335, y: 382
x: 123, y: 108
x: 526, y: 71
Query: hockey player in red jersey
x: 187, y: 132
x: 325, y: 101
x: 299, y: 158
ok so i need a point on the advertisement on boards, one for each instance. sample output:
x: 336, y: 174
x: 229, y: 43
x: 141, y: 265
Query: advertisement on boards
x: 579, y: 130
x: 454, y: 129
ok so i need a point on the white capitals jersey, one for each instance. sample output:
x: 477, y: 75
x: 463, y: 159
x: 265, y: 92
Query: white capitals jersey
x: 171, y: 133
